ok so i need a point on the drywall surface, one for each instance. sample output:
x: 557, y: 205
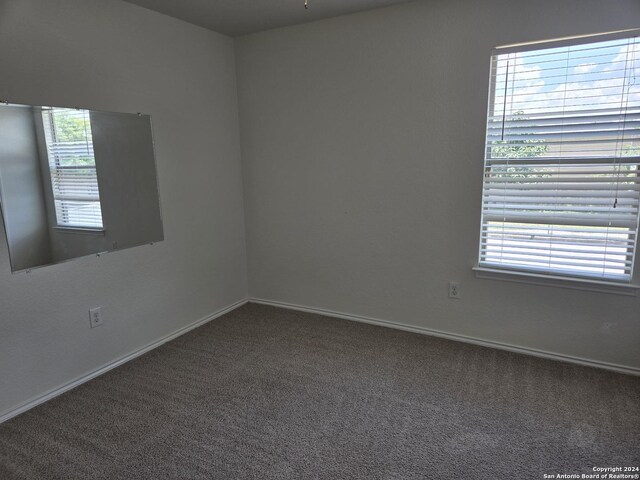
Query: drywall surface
x: 363, y: 142
x: 21, y: 190
x: 114, y: 56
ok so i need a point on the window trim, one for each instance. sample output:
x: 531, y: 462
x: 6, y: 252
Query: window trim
x: 576, y: 283
x: 566, y: 41
x: 80, y: 230
x: 514, y: 274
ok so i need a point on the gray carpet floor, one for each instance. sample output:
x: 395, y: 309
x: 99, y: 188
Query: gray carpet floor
x: 265, y: 393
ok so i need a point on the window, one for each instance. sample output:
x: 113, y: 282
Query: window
x: 561, y: 176
x: 73, y: 168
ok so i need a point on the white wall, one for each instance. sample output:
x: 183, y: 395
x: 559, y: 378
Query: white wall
x: 363, y: 142
x: 110, y: 55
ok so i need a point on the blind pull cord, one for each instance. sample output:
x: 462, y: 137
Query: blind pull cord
x: 624, y: 101
x: 504, y: 103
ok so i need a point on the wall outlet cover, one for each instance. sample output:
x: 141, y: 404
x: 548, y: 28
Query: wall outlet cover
x: 95, y: 317
x: 454, y: 290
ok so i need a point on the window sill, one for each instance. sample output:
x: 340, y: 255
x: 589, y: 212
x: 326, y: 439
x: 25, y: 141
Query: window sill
x: 601, y: 286
x: 81, y: 231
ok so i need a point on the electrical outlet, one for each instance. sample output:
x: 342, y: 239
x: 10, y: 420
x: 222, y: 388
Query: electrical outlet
x: 454, y: 290
x: 95, y: 317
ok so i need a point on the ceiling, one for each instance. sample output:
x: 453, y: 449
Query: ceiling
x: 239, y: 17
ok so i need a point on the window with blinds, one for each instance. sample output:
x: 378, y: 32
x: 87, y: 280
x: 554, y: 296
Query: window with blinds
x: 561, y: 177
x: 72, y: 167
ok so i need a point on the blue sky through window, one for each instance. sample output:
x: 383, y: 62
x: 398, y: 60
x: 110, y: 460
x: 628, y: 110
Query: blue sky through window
x: 580, y: 77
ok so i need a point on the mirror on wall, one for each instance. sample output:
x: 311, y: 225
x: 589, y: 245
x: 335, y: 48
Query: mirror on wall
x: 75, y: 182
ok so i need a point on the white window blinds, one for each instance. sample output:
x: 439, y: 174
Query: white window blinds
x: 73, y: 168
x: 561, y: 185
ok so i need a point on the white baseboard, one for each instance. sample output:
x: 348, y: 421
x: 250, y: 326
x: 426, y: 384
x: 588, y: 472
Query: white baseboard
x: 454, y: 336
x: 29, y: 404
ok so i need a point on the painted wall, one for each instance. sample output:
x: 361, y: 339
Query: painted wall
x: 110, y: 55
x: 21, y: 190
x: 363, y: 143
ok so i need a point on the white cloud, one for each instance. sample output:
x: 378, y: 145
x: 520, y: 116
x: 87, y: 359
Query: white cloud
x: 533, y: 93
x: 585, y: 68
x: 628, y: 53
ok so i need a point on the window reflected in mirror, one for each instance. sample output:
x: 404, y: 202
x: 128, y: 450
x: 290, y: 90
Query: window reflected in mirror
x: 72, y: 167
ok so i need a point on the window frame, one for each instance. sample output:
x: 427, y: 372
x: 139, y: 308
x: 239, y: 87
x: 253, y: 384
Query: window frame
x: 61, y: 226
x: 550, y: 278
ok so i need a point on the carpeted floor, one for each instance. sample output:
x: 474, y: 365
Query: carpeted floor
x: 265, y: 393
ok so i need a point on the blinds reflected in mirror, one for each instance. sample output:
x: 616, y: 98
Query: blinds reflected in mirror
x: 72, y: 167
x: 561, y: 187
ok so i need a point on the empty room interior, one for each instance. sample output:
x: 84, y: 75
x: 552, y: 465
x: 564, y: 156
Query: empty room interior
x: 319, y: 239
